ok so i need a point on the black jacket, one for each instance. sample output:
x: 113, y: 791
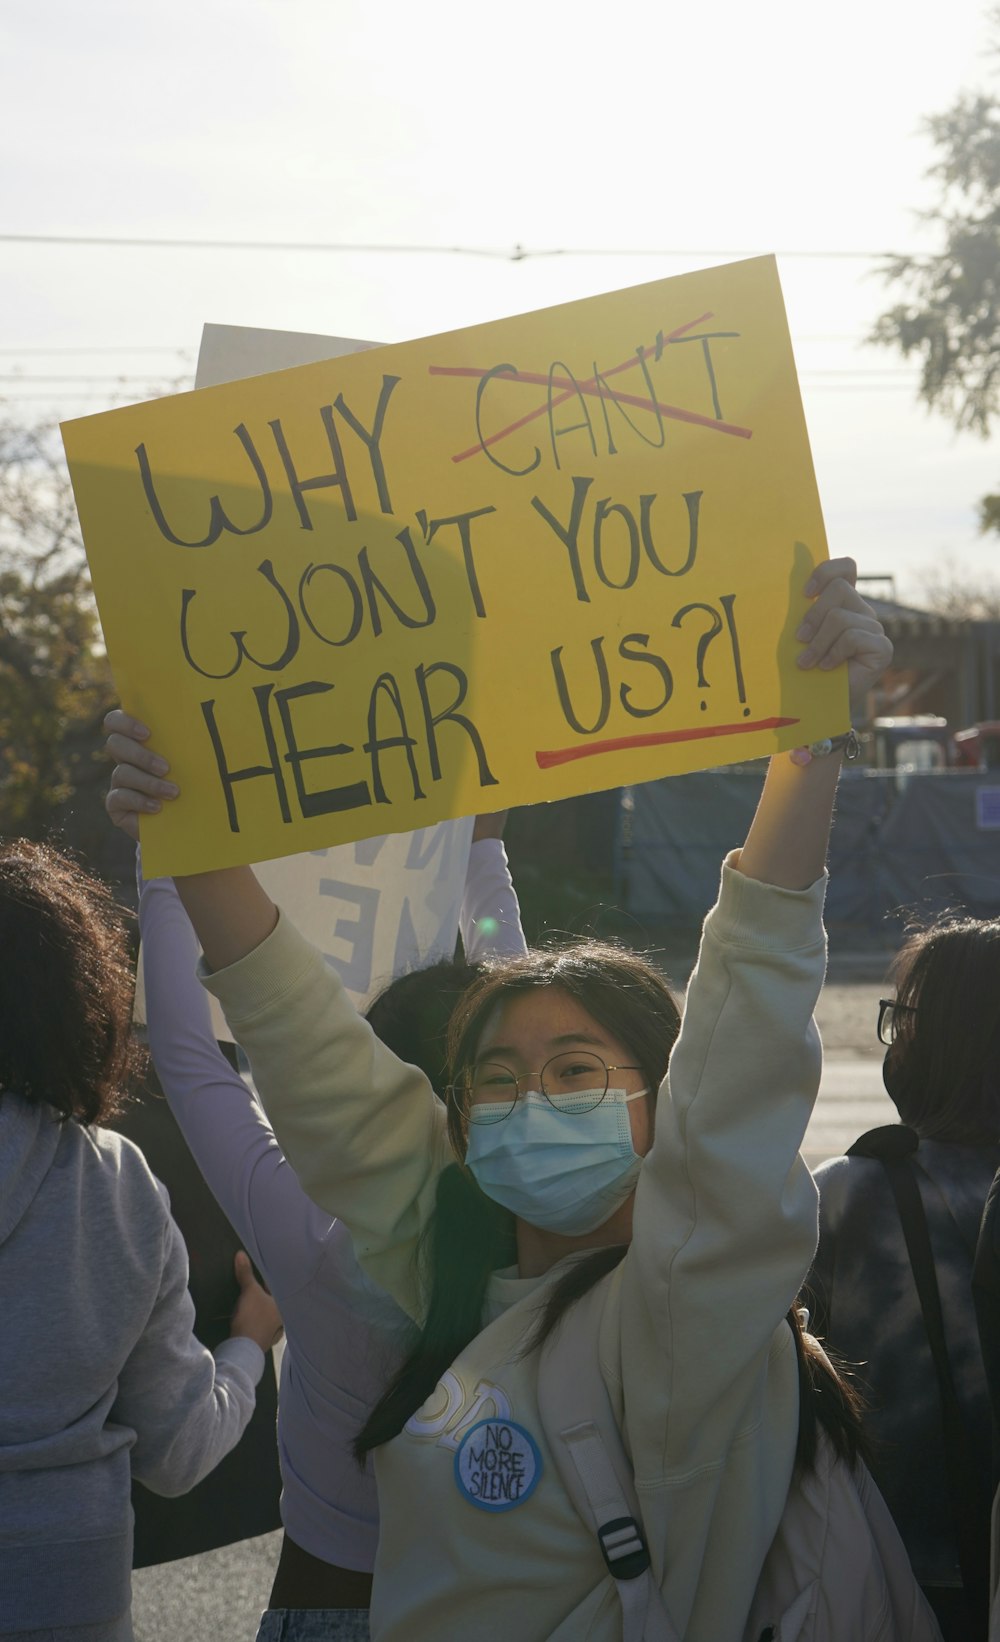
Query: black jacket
x: 863, y: 1302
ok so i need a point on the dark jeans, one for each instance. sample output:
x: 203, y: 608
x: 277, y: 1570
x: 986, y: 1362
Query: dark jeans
x: 314, y: 1625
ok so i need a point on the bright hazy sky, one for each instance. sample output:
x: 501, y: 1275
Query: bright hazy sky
x: 695, y: 134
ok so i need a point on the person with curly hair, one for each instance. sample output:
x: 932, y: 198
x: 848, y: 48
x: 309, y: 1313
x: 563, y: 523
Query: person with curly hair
x: 102, y: 1376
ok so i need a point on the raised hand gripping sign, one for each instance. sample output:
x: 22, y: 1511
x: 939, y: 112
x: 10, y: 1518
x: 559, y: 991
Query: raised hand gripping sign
x: 530, y: 559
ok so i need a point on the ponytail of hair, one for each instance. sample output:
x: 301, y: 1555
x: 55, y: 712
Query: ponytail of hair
x: 468, y: 1238
x: 829, y: 1398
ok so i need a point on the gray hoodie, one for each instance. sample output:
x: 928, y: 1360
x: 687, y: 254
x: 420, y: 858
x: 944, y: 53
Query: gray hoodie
x: 101, y: 1376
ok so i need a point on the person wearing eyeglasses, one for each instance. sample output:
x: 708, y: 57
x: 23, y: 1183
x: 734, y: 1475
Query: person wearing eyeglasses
x: 688, y: 1218
x: 931, y: 1457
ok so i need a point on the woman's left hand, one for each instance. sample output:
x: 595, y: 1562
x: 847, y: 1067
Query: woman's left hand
x: 841, y: 627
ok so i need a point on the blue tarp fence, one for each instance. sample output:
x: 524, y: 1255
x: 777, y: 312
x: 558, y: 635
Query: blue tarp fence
x: 901, y: 843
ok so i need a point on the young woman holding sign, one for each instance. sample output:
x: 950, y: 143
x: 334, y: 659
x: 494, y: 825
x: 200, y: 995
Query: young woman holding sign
x: 682, y: 1227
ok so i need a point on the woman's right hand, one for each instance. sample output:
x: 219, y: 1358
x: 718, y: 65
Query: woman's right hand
x: 230, y: 911
x: 138, y: 784
x: 256, y: 1317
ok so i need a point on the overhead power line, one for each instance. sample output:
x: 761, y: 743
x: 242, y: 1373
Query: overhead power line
x: 177, y: 352
x: 846, y: 376
x: 186, y: 353
x: 29, y: 379
x: 515, y: 253
x: 58, y: 400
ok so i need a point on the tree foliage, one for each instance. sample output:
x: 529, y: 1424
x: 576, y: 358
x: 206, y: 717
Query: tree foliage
x: 55, y: 682
x: 950, y: 318
x: 950, y: 591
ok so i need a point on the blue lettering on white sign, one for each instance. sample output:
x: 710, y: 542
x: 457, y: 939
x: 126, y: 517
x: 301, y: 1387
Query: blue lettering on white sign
x: 354, y: 969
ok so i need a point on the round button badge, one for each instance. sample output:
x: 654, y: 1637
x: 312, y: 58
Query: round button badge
x: 497, y: 1465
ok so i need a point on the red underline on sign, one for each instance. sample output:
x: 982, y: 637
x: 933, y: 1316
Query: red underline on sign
x: 535, y: 379
x: 620, y: 744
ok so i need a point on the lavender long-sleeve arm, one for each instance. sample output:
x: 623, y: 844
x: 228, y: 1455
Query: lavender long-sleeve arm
x: 225, y: 1127
x: 344, y: 1335
x: 490, y: 919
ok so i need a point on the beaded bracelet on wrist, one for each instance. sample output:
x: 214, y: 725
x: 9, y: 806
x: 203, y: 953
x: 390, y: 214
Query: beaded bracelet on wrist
x: 847, y: 743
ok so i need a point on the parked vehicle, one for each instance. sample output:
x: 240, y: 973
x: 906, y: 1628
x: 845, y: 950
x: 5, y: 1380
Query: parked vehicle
x: 978, y: 747
x: 912, y: 744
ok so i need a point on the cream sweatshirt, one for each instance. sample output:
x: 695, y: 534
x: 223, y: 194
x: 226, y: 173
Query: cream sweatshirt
x: 692, y: 1346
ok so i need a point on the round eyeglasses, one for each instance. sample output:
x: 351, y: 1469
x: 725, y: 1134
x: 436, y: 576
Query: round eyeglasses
x: 888, y: 1023
x: 575, y: 1081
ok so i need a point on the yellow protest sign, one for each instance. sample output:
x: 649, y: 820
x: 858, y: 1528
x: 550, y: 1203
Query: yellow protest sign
x: 530, y: 559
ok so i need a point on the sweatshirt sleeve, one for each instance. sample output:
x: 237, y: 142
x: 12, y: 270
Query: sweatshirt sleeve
x: 226, y: 1129
x: 725, y: 1214
x: 364, y: 1132
x: 490, y: 918
x: 188, y: 1406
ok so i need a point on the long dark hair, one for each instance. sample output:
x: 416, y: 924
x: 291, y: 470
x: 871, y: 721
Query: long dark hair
x: 470, y: 1236
x: 467, y: 1239
x: 943, y: 1068
x: 66, y: 998
x: 829, y: 1400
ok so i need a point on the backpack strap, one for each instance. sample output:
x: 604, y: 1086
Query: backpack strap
x: 986, y: 1295
x: 620, y: 1533
x: 582, y: 1433
x: 893, y: 1146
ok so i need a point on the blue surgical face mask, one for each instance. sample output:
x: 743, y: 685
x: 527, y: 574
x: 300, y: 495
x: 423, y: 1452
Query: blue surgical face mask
x: 565, y: 1170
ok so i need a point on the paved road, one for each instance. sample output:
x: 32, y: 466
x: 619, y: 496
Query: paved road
x: 213, y: 1598
x: 852, y: 1099
x: 218, y: 1597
